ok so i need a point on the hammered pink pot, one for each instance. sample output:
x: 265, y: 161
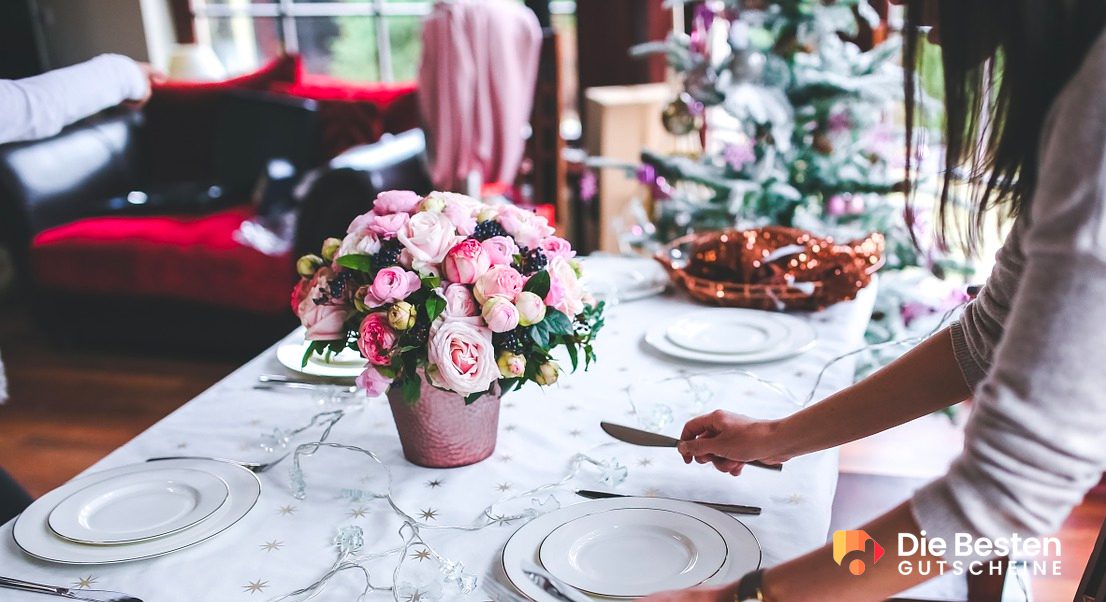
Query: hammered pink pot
x: 440, y: 431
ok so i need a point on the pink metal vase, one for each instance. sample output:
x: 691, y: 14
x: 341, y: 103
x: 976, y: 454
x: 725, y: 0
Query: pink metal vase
x: 440, y: 431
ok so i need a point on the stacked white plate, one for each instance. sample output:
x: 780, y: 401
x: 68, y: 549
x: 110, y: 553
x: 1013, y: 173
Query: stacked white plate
x: 617, y: 278
x: 732, y: 336
x: 346, y: 364
x: 137, y: 511
x: 631, y: 547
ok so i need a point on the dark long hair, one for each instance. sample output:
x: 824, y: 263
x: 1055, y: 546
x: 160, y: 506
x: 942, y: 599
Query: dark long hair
x: 1005, y: 61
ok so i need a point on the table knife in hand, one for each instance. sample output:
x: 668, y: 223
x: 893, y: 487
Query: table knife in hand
x: 639, y: 437
x: 728, y: 508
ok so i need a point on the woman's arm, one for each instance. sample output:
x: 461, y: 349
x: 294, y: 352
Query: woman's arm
x: 925, y: 379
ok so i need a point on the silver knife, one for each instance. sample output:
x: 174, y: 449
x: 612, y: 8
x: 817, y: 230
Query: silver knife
x: 639, y: 437
x: 89, y: 595
x: 729, y: 508
x: 551, y: 585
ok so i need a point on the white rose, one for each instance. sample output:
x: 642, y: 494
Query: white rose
x: 464, y: 356
x: 359, y: 243
x: 427, y: 237
x: 526, y: 227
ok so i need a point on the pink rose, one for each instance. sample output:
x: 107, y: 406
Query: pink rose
x: 299, y: 293
x: 498, y: 281
x: 427, y: 237
x: 323, y: 321
x: 390, y: 285
x: 511, y: 365
x: 376, y: 339
x: 526, y: 227
x: 386, y: 226
x: 462, y: 356
x: 459, y: 302
x: 500, y: 314
x: 531, y: 308
x: 555, y: 246
x: 373, y: 382
x: 565, y: 291
x: 501, y: 250
x: 466, y: 261
x: 361, y: 242
x: 461, y: 210
x: 361, y: 223
x: 396, y: 201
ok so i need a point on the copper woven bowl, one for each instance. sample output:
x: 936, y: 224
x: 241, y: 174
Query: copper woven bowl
x: 773, y: 268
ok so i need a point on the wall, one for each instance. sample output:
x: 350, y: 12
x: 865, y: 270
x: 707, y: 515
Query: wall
x: 76, y: 30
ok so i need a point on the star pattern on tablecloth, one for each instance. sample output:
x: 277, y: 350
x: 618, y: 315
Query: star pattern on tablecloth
x: 421, y: 555
x: 505, y: 457
x: 254, y: 422
x: 500, y: 520
x: 359, y: 512
x: 652, y: 492
x: 415, y: 596
x: 255, y: 586
x: 182, y: 445
x: 84, y: 582
x: 509, y: 404
x: 575, y: 433
x: 645, y: 462
x: 503, y: 487
x: 510, y: 428
x: 428, y: 514
x: 271, y: 546
x: 286, y: 510
x: 434, y: 484
x: 572, y: 408
x: 794, y: 499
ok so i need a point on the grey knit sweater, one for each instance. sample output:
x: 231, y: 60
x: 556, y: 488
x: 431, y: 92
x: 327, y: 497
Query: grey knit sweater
x: 1033, y: 344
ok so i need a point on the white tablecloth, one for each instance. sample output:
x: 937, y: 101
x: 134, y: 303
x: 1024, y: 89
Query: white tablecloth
x: 285, y: 543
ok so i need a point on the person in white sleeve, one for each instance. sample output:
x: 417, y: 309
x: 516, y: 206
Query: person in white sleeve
x: 40, y: 106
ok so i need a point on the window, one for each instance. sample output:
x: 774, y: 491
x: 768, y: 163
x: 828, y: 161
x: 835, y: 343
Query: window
x: 354, y: 40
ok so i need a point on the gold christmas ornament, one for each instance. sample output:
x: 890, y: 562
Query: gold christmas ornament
x: 678, y: 119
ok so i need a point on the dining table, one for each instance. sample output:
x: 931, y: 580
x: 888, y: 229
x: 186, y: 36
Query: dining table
x: 549, y: 441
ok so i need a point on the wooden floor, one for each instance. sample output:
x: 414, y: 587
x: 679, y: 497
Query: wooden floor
x: 69, y: 408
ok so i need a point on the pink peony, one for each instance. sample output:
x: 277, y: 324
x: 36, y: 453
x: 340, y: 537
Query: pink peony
x: 500, y: 314
x: 376, y: 339
x: 323, y: 321
x: 361, y: 223
x: 555, y: 246
x: 461, y: 210
x: 526, y: 227
x: 498, y: 281
x: 459, y: 302
x: 396, y: 201
x: 462, y: 356
x: 390, y: 285
x: 373, y: 382
x: 501, y: 250
x: 427, y: 237
x: 565, y: 291
x: 466, y: 262
x: 386, y: 226
x: 299, y: 293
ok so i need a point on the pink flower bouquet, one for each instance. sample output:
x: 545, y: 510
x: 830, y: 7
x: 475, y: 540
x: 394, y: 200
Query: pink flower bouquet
x: 467, y: 293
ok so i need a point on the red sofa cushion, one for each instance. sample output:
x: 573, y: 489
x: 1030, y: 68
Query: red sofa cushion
x: 190, y: 258
x: 180, y: 121
x: 355, y: 114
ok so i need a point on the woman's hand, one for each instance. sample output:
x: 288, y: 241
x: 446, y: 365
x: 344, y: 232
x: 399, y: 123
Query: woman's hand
x: 729, y: 441
x: 724, y: 593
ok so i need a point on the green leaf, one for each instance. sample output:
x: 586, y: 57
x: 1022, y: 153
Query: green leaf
x: 540, y: 334
x: 432, y: 281
x: 360, y: 263
x: 472, y: 397
x: 313, y: 348
x: 435, y: 305
x: 506, y: 385
x: 410, y: 389
x: 538, y: 284
x: 557, y: 322
x: 573, y: 354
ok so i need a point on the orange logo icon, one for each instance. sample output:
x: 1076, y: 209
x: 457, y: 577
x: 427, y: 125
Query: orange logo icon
x: 856, y: 550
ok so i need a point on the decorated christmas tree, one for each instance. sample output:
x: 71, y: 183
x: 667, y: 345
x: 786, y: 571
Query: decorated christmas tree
x: 794, y: 123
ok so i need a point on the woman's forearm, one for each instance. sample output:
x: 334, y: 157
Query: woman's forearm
x: 924, y: 380
x: 816, y: 577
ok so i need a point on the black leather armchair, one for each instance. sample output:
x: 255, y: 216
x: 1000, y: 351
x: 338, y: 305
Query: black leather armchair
x: 353, y: 180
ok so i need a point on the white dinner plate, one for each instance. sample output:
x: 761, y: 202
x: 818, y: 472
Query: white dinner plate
x: 33, y: 535
x: 800, y: 339
x: 619, y: 278
x: 346, y: 364
x: 138, y: 506
x: 728, y: 331
x: 743, y: 552
x: 632, y: 552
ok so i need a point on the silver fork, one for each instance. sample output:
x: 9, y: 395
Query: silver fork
x: 551, y: 585
x: 256, y: 467
x: 89, y: 595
